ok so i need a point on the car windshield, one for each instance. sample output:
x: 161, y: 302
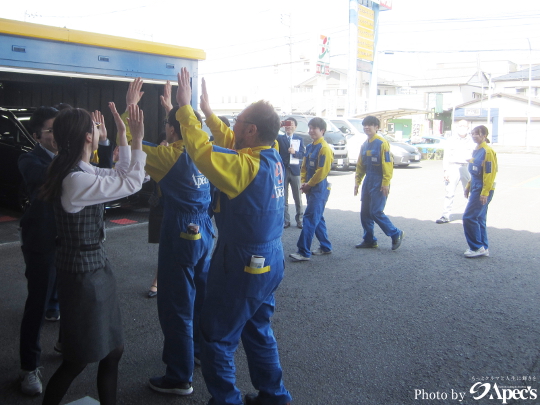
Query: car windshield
x: 342, y: 125
x: 330, y: 126
x: 357, y: 123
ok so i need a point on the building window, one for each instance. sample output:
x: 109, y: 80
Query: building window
x: 342, y: 92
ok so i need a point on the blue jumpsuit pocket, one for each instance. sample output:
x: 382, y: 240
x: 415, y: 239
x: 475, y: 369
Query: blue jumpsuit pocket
x: 251, y: 282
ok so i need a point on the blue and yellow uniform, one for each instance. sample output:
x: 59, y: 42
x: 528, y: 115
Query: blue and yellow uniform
x: 184, y: 258
x: 483, y: 169
x: 376, y: 164
x: 315, y: 168
x: 239, y: 298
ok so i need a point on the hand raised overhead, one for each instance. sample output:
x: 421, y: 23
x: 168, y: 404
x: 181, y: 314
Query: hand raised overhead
x: 183, y: 95
x: 134, y: 93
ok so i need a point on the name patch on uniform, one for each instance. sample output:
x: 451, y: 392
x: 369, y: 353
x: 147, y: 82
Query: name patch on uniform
x: 474, y: 168
x: 374, y: 159
x: 311, y: 163
x: 488, y: 167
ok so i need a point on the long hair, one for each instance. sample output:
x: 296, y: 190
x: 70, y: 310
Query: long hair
x: 70, y: 128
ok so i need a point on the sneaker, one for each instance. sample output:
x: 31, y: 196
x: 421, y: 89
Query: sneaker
x: 365, y: 245
x: 442, y: 220
x: 160, y: 384
x: 320, y: 252
x: 52, y: 315
x: 397, y: 241
x: 476, y: 253
x: 297, y: 257
x: 58, y: 347
x: 30, y: 382
x: 253, y: 399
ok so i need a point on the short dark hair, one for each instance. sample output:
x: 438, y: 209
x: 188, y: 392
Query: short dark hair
x: 225, y: 120
x: 371, y: 120
x: 318, y: 122
x: 39, y: 117
x: 263, y: 115
x: 293, y: 120
x: 173, y: 122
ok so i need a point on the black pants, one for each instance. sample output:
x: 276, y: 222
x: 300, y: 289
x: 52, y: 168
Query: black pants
x: 41, y: 276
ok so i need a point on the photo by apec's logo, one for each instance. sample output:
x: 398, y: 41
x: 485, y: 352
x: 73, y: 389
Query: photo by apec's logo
x: 479, y: 391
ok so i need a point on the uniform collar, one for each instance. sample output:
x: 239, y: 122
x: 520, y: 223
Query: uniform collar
x: 318, y: 141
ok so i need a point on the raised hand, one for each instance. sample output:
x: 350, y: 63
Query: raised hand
x: 166, y: 98
x: 183, y: 95
x: 136, y: 125
x: 134, y: 93
x: 120, y: 127
x: 205, y: 102
x: 98, y: 118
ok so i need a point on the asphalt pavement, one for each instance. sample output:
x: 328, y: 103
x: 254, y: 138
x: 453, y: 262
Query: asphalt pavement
x: 420, y: 325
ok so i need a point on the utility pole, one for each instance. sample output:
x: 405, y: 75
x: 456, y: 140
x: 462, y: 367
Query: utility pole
x: 529, y: 101
x: 288, y: 101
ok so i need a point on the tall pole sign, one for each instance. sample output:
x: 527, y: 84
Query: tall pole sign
x: 323, y: 62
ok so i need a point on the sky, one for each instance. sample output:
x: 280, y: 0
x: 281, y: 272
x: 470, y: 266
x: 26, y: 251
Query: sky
x: 244, y: 39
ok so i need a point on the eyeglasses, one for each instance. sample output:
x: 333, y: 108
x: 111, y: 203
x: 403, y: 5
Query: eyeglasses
x: 246, y: 122
x: 50, y: 130
x: 165, y: 121
x: 97, y: 124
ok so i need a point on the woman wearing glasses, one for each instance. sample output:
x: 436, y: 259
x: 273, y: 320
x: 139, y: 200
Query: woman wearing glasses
x: 91, y: 322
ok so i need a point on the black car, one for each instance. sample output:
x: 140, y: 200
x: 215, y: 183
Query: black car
x: 15, y: 139
x: 333, y: 136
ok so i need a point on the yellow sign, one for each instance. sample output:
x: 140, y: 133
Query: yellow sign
x: 366, y: 36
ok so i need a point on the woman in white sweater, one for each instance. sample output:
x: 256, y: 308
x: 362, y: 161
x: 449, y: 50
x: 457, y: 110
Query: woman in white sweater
x: 91, y: 321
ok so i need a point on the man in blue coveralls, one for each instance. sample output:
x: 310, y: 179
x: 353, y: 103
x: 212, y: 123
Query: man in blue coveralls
x: 315, y: 168
x: 375, y: 163
x: 249, y: 215
x: 184, y: 250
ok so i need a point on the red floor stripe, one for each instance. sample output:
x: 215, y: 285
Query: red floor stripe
x: 123, y: 221
x: 6, y: 219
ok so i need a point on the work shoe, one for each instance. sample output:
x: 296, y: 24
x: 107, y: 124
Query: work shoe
x: 299, y: 225
x: 52, y: 315
x: 476, y: 253
x: 196, y: 361
x: 30, y: 382
x: 160, y: 384
x: 365, y: 245
x: 397, y: 241
x: 286, y: 225
x: 320, y: 252
x: 253, y: 399
x: 442, y: 220
x: 297, y: 257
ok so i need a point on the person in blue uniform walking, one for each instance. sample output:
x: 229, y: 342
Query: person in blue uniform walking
x: 184, y: 250
x: 247, y: 266
x: 376, y: 165
x: 315, y: 168
x: 483, y: 169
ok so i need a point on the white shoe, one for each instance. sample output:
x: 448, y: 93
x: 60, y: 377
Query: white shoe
x: 319, y: 252
x: 476, y: 253
x: 297, y: 257
x: 30, y: 382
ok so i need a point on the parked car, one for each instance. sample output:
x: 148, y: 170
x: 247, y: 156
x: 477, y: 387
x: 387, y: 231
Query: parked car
x: 15, y: 139
x: 333, y: 136
x: 431, y: 147
x: 403, y: 154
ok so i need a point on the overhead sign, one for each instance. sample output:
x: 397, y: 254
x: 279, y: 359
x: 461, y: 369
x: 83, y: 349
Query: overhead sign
x: 323, y: 62
x: 384, y: 4
x: 366, y: 33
